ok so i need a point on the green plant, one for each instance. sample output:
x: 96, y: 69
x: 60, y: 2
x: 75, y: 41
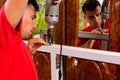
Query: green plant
x: 40, y: 17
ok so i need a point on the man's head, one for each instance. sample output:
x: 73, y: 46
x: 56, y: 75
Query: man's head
x: 28, y: 21
x: 92, y: 12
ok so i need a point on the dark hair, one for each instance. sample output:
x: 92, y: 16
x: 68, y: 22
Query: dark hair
x: 90, y: 5
x: 34, y: 4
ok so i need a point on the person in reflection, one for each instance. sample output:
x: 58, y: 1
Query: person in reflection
x: 16, y: 62
x: 93, y: 15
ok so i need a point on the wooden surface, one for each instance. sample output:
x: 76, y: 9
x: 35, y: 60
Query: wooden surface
x: 69, y: 19
x: 92, y: 70
x: 114, y: 28
x: 60, y: 26
x: 43, y: 65
x: 72, y: 22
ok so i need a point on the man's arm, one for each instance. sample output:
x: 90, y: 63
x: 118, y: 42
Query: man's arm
x: 57, y: 1
x: 14, y: 10
x: 34, y: 44
x: 89, y: 43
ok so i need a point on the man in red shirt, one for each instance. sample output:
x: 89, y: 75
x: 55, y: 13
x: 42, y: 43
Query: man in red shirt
x: 27, y: 28
x: 92, y: 14
x: 16, y: 62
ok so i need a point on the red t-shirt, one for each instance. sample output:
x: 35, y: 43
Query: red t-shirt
x: 16, y: 62
x: 97, y: 44
x: 106, y: 29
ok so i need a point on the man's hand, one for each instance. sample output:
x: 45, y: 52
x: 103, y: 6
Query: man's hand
x: 98, y: 31
x: 57, y: 1
x: 35, y: 43
x: 89, y: 44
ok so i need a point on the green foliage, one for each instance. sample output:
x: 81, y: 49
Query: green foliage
x: 81, y: 23
x: 40, y: 17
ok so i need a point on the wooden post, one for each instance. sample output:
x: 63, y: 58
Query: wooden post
x: 60, y: 26
x: 114, y: 29
x: 114, y: 26
x: 70, y: 23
